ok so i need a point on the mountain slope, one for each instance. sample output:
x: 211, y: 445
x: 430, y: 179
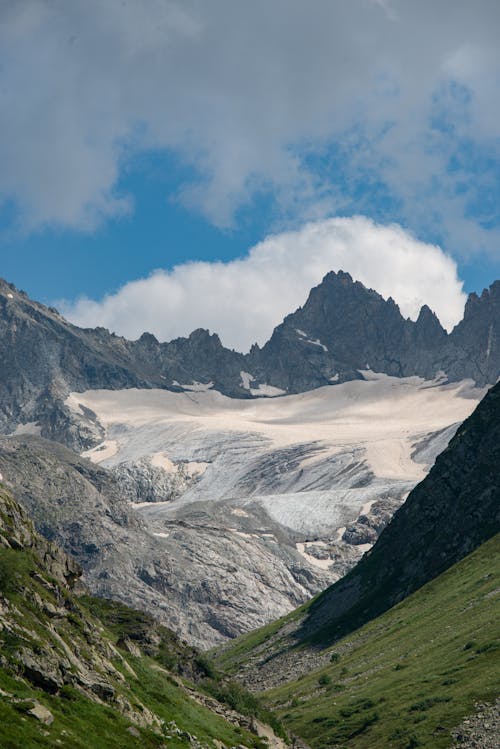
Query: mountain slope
x: 412, y: 675
x: 451, y: 512
x: 188, y: 575
x: 295, y: 486
x: 76, y: 672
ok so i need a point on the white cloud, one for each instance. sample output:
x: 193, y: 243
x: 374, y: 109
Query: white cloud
x: 244, y: 299
x: 243, y: 93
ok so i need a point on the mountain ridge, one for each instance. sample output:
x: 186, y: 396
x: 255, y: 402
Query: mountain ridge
x: 342, y: 329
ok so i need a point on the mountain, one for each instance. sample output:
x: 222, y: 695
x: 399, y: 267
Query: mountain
x: 43, y: 358
x: 298, y: 487
x: 77, y: 671
x: 344, y: 328
x: 341, y: 329
x: 451, y: 512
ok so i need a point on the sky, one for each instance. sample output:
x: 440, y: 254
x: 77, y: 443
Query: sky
x: 172, y: 165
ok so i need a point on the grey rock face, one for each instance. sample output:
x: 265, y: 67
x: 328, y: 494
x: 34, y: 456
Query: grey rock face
x: 43, y: 358
x: 189, y: 574
x: 344, y: 327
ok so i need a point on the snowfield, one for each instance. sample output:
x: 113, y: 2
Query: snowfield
x: 327, y: 451
x: 294, y: 488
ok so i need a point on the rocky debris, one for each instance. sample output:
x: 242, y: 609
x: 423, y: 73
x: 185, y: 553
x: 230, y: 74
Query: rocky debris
x: 81, y: 507
x: 369, y: 526
x: 141, y: 481
x: 41, y: 713
x: 480, y: 730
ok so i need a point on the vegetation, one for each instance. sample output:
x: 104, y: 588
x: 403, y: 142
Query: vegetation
x: 407, y: 678
x: 70, y: 660
x: 180, y: 658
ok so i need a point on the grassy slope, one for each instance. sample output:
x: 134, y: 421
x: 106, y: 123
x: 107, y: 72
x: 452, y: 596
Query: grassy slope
x: 80, y: 722
x: 405, y: 679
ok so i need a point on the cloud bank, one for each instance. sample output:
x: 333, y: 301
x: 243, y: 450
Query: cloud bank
x: 335, y: 108
x: 245, y: 299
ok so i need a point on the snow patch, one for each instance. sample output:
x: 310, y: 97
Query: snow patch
x: 314, y: 342
x: 239, y: 512
x: 192, y: 468
x: 101, y: 452
x: 323, y: 564
x: 268, y: 391
x: 246, y: 379
x: 364, y: 547
x: 195, y: 387
x: 10, y: 296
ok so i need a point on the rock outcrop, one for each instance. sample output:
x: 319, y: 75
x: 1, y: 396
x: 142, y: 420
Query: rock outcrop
x: 187, y: 573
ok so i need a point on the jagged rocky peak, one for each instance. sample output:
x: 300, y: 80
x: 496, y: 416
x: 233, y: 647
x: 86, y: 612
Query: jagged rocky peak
x: 204, y: 336
x: 345, y: 327
x: 427, y: 328
x: 478, y: 336
x: 148, y: 339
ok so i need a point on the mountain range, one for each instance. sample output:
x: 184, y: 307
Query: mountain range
x: 342, y: 328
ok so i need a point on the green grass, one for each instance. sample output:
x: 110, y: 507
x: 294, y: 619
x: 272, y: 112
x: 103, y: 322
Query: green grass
x: 412, y: 674
x: 87, y: 623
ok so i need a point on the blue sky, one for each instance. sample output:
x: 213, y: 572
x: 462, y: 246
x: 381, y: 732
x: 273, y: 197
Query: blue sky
x: 140, y: 139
